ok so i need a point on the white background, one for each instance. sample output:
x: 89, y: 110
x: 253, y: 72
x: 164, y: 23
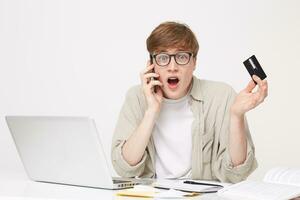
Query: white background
x: 72, y: 57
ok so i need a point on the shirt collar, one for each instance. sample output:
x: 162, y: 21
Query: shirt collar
x: 196, y: 91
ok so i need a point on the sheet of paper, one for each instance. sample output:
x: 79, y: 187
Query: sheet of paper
x: 259, y: 190
x: 180, y: 185
x: 151, y: 192
x: 24, y: 198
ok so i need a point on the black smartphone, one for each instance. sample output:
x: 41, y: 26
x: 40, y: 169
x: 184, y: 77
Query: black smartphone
x: 151, y: 59
x: 254, y: 68
x: 153, y: 78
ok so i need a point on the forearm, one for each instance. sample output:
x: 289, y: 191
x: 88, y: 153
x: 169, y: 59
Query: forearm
x: 237, y: 140
x: 134, y: 148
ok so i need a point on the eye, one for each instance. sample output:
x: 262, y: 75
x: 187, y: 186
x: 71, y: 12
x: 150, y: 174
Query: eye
x: 162, y: 57
x: 182, y: 56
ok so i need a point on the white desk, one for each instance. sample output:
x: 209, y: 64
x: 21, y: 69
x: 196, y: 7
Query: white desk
x: 17, y: 185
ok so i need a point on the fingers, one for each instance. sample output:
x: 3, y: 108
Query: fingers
x: 153, y: 83
x: 264, y: 88
x: 257, y: 79
x: 251, y: 85
x: 148, y: 76
x: 262, y: 84
x: 148, y: 69
x: 149, y: 88
x: 256, y: 97
x: 262, y: 91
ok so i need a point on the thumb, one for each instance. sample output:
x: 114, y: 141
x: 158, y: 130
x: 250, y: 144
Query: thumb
x: 251, y: 85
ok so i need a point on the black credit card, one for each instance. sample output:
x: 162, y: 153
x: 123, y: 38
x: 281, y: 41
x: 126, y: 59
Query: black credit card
x: 253, y: 67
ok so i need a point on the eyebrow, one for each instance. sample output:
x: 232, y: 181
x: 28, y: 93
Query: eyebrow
x: 177, y: 51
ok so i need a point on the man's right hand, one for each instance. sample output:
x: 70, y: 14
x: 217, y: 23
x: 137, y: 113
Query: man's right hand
x: 135, y: 146
x: 149, y: 81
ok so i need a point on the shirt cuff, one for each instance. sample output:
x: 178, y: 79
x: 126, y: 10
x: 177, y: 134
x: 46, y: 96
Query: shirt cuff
x: 127, y: 170
x: 244, y: 169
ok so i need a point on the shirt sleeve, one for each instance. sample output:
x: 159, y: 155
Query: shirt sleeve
x: 223, y: 167
x: 128, y: 121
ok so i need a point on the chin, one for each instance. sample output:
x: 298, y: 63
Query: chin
x: 172, y: 95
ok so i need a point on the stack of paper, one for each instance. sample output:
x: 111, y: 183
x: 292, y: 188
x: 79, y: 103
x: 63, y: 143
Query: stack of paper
x: 192, y: 186
x: 150, y: 192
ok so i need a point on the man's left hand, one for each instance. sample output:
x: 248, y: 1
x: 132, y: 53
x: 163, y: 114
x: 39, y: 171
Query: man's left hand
x: 248, y: 99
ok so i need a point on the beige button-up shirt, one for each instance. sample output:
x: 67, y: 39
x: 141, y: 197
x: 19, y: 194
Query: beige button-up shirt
x: 210, y: 103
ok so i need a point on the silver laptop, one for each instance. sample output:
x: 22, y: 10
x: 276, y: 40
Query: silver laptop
x: 65, y: 150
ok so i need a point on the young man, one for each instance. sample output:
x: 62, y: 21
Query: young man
x: 175, y: 125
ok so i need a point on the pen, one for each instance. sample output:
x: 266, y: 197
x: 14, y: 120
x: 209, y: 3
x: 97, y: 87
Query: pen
x: 198, y: 183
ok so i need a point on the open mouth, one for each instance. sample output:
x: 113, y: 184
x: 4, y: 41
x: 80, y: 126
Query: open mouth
x: 173, y: 82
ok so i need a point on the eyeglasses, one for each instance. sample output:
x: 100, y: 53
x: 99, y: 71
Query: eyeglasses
x: 163, y: 59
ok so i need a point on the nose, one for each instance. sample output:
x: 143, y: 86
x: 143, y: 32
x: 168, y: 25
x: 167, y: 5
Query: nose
x: 172, y: 65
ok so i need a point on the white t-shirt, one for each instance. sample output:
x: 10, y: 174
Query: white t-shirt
x: 173, y: 139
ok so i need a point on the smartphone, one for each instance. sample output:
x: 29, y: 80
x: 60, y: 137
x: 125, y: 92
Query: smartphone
x: 153, y: 78
x: 254, y: 68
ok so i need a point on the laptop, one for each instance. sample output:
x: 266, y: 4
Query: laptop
x: 64, y: 150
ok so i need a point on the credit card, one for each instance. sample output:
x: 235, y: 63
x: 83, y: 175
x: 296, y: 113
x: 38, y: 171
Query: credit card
x: 254, y: 68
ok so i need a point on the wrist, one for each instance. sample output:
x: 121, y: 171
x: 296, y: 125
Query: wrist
x: 237, y: 116
x: 236, y: 113
x: 151, y: 113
